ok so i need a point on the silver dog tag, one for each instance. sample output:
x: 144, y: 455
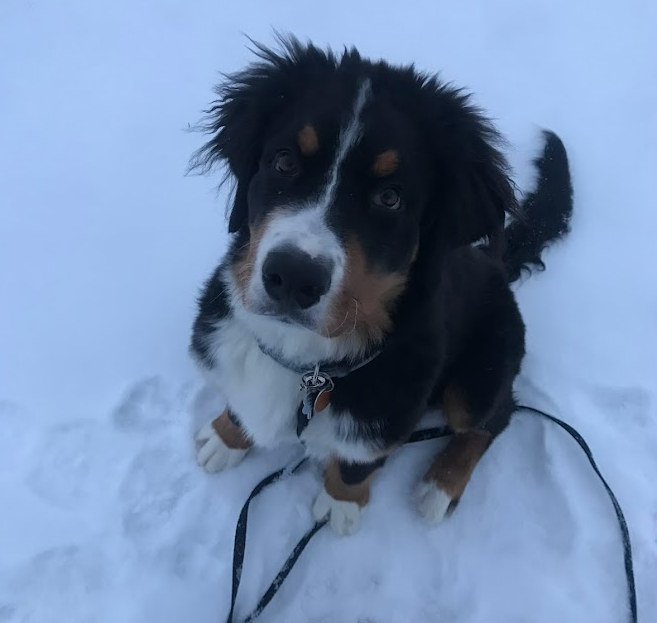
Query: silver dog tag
x: 313, y: 384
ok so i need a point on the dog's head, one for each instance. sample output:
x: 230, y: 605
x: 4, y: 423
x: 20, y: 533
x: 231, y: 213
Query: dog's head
x: 351, y: 178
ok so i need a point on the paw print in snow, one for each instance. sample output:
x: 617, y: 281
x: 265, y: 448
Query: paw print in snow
x: 152, y: 489
x: 72, y: 463
x: 58, y: 585
x: 146, y: 406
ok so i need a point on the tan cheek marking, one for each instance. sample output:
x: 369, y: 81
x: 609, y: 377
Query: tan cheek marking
x: 386, y: 163
x: 308, y: 140
x: 453, y: 467
x: 339, y: 490
x: 243, y: 268
x: 231, y: 434
x: 363, y: 307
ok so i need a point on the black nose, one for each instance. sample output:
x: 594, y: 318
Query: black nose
x: 294, y: 279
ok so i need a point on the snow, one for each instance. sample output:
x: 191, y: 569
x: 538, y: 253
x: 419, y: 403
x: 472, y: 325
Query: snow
x: 105, y: 516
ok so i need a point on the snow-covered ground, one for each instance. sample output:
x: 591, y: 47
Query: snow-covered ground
x: 104, y: 515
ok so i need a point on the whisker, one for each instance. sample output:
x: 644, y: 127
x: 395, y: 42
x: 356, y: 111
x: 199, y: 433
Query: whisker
x: 355, y: 316
x: 337, y: 329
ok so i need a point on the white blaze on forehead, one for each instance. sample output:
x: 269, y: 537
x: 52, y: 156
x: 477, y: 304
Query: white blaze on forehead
x: 304, y: 225
x: 349, y: 136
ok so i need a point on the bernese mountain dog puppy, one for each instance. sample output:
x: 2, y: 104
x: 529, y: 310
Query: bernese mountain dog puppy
x: 375, y: 235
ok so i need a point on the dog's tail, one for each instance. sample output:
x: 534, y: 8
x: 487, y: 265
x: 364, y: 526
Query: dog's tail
x: 544, y: 213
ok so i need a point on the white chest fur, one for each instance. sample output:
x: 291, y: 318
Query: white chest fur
x: 265, y: 396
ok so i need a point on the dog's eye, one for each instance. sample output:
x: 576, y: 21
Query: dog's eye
x: 285, y: 163
x: 388, y: 198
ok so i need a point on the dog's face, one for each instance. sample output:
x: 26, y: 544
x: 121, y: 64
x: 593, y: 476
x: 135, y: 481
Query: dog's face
x: 334, y: 211
x: 351, y: 178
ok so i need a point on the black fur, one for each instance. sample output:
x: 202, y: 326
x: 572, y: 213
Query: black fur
x: 212, y: 307
x: 457, y: 322
x: 354, y: 473
x: 449, y: 134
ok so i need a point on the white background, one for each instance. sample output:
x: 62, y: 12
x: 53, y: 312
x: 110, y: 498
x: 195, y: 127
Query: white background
x: 104, y: 516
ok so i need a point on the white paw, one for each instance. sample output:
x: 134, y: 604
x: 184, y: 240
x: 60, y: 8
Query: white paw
x: 213, y: 454
x: 344, y: 516
x: 432, y: 502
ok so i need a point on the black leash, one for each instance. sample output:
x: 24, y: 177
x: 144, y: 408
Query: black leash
x: 421, y: 435
x: 240, y: 532
x: 625, y: 533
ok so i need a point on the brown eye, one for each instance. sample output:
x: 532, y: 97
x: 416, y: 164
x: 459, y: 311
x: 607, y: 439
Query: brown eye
x: 285, y: 163
x: 388, y: 198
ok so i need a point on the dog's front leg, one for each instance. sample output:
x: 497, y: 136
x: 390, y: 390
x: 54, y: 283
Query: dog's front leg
x: 345, y: 494
x: 221, y: 443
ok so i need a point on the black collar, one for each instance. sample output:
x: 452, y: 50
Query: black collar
x: 333, y: 369
x: 316, y: 378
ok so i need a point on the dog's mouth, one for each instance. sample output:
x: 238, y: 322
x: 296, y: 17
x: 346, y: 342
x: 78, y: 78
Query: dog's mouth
x: 332, y: 325
x: 287, y: 317
x: 295, y: 290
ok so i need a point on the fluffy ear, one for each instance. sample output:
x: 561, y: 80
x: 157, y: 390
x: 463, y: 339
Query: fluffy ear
x: 483, y: 194
x: 247, y: 101
x: 475, y: 192
x: 235, y: 123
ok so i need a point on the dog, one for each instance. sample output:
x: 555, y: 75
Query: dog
x: 375, y: 234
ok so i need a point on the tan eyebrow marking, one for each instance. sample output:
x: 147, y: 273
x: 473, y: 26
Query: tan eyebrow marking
x: 385, y: 163
x: 308, y: 140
